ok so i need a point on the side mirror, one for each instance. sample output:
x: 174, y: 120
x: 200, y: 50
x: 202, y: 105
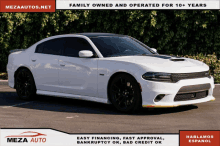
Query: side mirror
x: 155, y: 50
x: 85, y: 54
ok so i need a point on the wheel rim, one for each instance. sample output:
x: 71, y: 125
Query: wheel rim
x: 23, y: 83
x: 122, y: 93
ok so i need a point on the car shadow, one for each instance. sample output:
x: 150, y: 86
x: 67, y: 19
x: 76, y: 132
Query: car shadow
x: 58, y: 104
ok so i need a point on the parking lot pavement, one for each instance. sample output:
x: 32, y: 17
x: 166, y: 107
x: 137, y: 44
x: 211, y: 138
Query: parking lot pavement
x: 76, y: 116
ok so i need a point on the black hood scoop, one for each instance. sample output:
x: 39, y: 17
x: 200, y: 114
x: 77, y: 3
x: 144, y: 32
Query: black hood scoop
x: 177, y: 59
x: 171, y: 58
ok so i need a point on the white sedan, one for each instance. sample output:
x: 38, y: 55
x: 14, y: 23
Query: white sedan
x: 108, y: 68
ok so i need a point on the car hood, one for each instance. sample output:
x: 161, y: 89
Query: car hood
x: 164, y: 63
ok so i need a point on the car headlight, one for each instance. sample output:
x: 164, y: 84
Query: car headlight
x: 157, y: 76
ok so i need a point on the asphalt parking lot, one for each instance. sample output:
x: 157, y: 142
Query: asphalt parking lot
x: 76, y: 116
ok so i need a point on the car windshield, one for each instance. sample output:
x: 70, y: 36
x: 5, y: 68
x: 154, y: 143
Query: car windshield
x: 120, y: 46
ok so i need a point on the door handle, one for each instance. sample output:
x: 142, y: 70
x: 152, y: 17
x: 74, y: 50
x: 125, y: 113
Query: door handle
x: 33, y: 60
x: 62, y: 64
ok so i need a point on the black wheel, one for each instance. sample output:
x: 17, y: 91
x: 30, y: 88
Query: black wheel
x: 25, y: 85
x: 125, y: 93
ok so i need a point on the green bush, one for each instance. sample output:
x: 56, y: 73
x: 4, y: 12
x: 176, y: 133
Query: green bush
x: 171, y: 32
x: 178, y: 32
x: 211, y: 61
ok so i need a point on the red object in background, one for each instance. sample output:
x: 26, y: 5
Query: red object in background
x: 28, y: 134
x: 199, y: 138
x: 27, y: 6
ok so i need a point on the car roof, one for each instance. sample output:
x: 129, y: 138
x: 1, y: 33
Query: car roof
x: 98, y: 34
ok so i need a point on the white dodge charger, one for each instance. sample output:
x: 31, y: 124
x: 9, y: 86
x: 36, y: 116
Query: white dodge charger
x: 108, y: 68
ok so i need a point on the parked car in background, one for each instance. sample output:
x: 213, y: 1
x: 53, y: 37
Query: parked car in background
x: 108, y: 68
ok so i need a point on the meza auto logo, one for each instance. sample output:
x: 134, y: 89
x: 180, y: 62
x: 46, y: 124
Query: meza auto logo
x: 25, y: 137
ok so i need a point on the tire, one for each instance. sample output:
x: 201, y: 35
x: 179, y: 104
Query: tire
x: 124, y: 93
x: 25, y: 85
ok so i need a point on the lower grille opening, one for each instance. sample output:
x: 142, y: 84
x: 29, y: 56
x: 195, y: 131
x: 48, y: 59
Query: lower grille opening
x: 191, y: 96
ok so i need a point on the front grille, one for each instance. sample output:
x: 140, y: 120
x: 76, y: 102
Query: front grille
x: 194, y: 88
x: 181, y: 76
x: 191, y: 96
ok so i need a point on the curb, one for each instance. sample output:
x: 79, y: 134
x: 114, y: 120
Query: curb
x: 3, y: 82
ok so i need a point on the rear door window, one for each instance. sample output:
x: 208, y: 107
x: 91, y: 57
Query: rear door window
x: 53, y: 47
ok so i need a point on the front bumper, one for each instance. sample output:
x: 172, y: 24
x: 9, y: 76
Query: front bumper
x: 150, y: 89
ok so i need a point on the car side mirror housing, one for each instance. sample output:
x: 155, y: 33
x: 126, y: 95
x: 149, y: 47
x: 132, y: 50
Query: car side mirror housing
x: 85, y: 54
x: 155, y: 50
